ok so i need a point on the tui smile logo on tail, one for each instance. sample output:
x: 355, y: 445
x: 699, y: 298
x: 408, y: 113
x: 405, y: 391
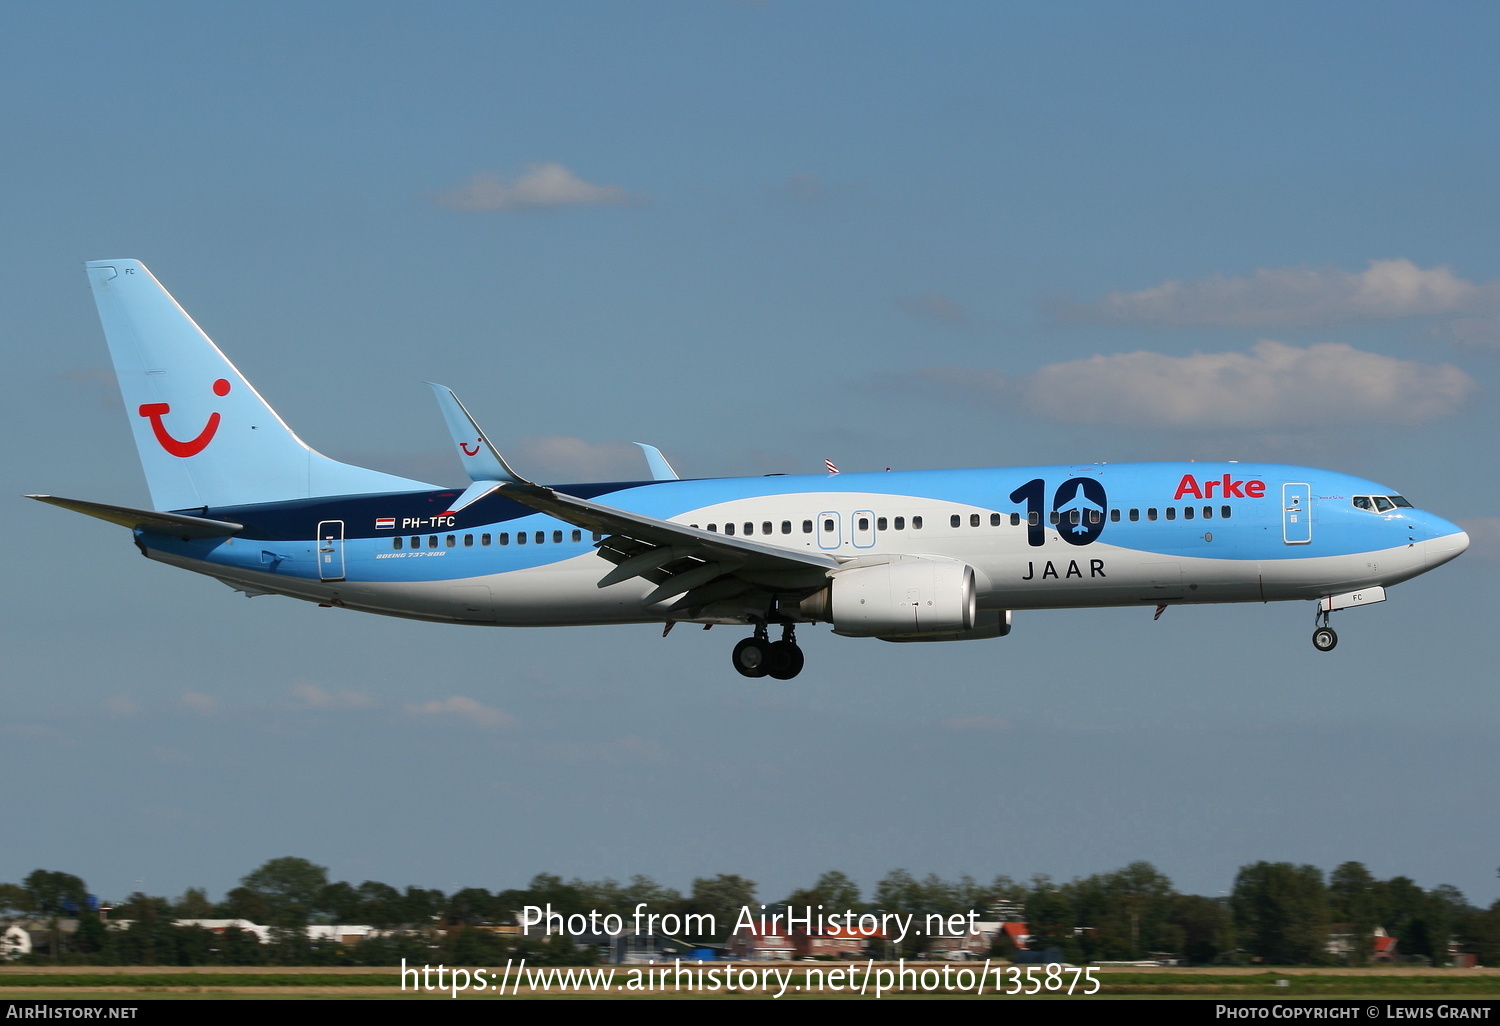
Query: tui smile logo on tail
x: 193, y: 446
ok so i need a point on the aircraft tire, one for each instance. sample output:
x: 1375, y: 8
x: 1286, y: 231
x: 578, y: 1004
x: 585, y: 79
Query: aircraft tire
x: 786, y: 660
x: 752, y: 657
x: 1324, y: 639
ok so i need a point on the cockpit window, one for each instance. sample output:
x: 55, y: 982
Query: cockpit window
x: 1363, y: 502
x: 1401, y: 501
x: 1382, y: 503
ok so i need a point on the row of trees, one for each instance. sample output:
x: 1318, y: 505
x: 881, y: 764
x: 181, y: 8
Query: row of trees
x: 1277, y: 912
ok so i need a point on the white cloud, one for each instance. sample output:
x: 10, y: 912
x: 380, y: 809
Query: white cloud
x: 468, y: 708
x: 1484, y: 536
x: 561, y: 458
x: 122, y: 705
x: 1385, y: 290
x: 315, y: 697
x: 199, y: 703
x: 541, y: 186
x: 1274, y: 385
x: 935, y: 304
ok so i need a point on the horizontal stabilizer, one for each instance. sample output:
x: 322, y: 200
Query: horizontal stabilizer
x: 178, y: 524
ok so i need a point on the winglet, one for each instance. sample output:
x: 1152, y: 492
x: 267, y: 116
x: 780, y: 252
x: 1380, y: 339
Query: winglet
x: 661, y: 470
x: 480, y: 458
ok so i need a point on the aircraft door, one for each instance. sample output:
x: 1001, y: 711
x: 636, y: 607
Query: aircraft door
x: 862, y: 525
x: 331, y: 550
x: 1296, y: 514
x: 830, y: 532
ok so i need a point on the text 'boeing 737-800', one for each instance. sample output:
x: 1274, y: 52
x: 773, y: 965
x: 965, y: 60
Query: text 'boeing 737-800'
x: 931, y: 555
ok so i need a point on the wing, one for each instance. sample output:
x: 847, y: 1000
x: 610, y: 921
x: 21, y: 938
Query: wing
x: 690, y: 567
x: 687, y: 564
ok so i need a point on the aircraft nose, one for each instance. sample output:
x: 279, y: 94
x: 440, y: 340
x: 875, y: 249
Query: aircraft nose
x: 1447, y: 541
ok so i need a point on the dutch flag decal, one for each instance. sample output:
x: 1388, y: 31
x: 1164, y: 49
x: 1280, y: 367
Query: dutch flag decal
x: 385, y: 523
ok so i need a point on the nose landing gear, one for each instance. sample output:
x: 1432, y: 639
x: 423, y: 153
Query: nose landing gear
x: 1324, y: 637
x: 758, y: 656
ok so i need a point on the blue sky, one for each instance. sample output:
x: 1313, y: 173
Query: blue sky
x: 757, y: 235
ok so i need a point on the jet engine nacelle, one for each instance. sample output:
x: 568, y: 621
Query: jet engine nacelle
x: 911, y: 596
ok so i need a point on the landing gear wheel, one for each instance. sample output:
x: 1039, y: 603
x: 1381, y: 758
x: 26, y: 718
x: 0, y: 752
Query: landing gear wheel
x: 1324, y: 639
x: 786, y: 660
x: 752, y: 657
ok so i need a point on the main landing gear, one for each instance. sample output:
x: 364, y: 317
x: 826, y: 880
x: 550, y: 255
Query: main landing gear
x: 758, y: 656
x: 1324, y: 638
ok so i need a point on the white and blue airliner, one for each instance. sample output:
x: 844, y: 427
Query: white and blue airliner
x: 930, y: 555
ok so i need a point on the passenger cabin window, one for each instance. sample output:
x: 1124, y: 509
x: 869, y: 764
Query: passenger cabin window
x: 1056, y: 518
x: 484, y: 539
x: 432, y: 541
x: 504, y: 537
x: 953, y: 520
x: 1135, y: 515
x: 1223, y: 512
x: 1187, y: 512
x: 973, y: 519
x: 765, y: 528
x: 864, y: 523
x: 578, y: 536
x: 1171, y: 512
x: 729, y: 529
x: 900, y: 523
x: 1150, y: 512
x: 994, y: 519
x: 520, y: 537
x: 916, y: 523
x: 880, y: 523
x: 1114, y: 516
x: 541, y: 536
x: 1033, y: 519
x: 557, y: 536
x: 828, y: 526
x: 1015, y: 520
x: 395, y: 543
x: 786, y: 527
x: 469, y: 540
x: 714, y: 528
x: 807, y: 527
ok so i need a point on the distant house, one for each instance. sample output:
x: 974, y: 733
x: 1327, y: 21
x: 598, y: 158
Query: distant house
x: 836, y: 942
x: 771, y: 944
x: 262, y: 933
x: 15, y: 941
x: 1380, y: 946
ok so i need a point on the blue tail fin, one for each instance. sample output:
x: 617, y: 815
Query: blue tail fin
x: 205, y: 436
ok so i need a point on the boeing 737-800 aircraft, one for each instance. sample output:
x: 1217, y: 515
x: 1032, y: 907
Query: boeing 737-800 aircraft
x: 933, y: 555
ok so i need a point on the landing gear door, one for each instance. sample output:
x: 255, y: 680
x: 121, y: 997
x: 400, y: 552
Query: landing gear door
x: 1296, y: 514
x: 331, y: 550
